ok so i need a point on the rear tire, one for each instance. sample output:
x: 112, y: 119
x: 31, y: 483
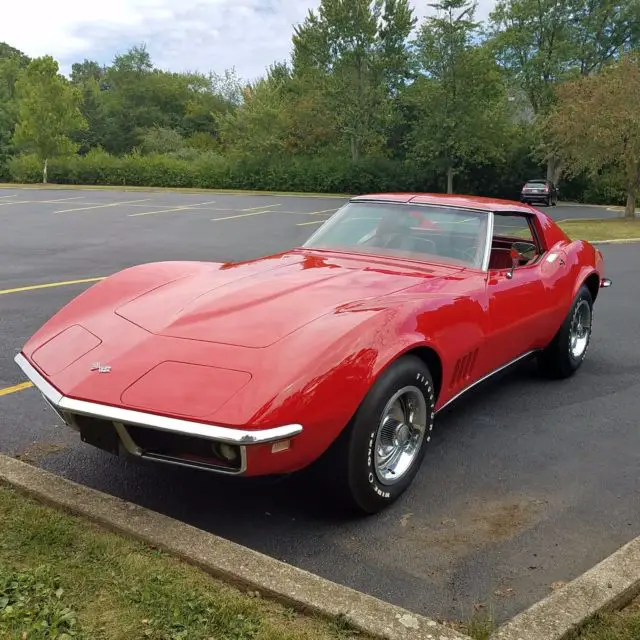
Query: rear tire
x: 568, y: 349
x: 377, y: 456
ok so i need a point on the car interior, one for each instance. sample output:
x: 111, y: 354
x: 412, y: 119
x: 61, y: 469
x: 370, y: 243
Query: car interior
x: 510, y: 231
x: 455, y: 236
x: 513, y: 231
x: 462, y: 247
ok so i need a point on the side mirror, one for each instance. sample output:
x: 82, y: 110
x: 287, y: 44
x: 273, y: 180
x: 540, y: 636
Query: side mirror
x: 516, y: 259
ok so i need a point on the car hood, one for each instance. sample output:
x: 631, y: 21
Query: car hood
x: 256, y: 304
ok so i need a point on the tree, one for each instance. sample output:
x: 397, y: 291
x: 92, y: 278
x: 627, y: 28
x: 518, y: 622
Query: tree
x: 460, y: 98
x: 282, y: 113
x: 160, y: 140
x: 596, y: 124
x: 7, y: 51
x: 531, y: 41
x: 12, y: 61
x: 545, y: 42
x: 136, y: 97
x: 48, y: 111
x: 83, y: 72
x: 601, y: 30
x: 354, y: 50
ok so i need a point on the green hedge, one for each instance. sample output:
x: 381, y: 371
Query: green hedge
x: 297, y: 173
x: 213, y: 171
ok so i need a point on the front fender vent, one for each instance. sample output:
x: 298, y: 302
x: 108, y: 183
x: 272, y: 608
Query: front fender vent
x: 464, y: 368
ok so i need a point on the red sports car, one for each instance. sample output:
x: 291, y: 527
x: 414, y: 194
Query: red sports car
x: 341, y: 351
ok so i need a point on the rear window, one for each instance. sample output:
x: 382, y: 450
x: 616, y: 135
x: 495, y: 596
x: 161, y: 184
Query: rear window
x: 536, y: 185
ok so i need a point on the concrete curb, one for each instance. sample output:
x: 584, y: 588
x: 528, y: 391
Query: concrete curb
x: 186, y: 190
x: 608, y: 586
x: 226, y: 560
x: 617, y: 241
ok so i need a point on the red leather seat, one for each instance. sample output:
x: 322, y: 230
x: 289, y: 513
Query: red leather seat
x: 500, y: 259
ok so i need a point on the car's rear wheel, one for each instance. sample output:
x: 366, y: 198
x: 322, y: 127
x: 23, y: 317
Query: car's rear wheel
x: 567, y: 351
x: 378, y: 455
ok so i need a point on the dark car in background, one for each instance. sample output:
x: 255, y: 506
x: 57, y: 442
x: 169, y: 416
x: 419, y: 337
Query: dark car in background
x: 539, y: 191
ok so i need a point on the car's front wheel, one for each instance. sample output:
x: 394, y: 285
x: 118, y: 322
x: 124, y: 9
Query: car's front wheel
x: 567, y: 351
x: 378, y: 455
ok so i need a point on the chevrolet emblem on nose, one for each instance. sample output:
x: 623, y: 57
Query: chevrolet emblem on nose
x: 100, y: 368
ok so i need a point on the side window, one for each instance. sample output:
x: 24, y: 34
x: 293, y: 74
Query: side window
x: 510, y: 230
x: 510, y: 227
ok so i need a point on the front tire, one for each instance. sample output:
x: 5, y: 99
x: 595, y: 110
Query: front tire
x: 568, y: 349
x: 377, y: 456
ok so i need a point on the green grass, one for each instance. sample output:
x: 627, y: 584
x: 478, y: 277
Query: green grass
x: 619, y: 625
x: 479, y: 628
x: 593, y: 230
x: 233, y: 192
x: 64, y: 578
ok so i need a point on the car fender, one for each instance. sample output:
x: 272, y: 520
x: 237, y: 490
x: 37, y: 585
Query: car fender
x: 325, y: 396
x: 589, y: 262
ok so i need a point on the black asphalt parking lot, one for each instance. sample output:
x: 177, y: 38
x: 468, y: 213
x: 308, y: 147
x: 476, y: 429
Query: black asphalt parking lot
x: 527, y: 484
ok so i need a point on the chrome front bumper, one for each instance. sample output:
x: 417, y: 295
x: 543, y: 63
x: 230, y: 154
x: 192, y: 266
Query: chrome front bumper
x: 126, y: 420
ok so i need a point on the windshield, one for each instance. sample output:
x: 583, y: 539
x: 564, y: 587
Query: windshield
x: 418, y: 232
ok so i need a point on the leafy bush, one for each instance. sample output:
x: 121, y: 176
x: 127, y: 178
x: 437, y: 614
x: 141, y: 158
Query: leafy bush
x: 161, y: 140
x: 322, y: 174
x: 25, y: 169
x: 606, y: 188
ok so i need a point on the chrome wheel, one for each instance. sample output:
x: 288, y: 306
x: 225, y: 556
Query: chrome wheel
x: 400, y: 434
x: 580, y: 330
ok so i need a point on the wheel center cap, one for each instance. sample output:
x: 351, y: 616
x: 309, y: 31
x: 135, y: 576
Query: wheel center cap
x: 403, y: 434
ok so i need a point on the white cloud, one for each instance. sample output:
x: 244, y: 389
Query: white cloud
x: 180, y: 34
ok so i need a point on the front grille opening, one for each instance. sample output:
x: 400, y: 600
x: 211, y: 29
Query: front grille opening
x: 185, y: 448
x: 89, y: 422
x: 162, y: 445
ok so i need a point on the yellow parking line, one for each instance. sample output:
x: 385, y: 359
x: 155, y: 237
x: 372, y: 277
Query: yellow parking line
x: 266, y: 206
x: 303, y: 224
x: 4, y: 204
x: 17, y: 387
x: 151, y: 213
x: 183, y: 208
x: 103, y: 206
x: 48, y: 285
x: 58, y: 200
x: 315, y: 213
x: 243, y: 215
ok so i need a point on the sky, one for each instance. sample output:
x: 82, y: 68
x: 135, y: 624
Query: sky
x: 195, y: 35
